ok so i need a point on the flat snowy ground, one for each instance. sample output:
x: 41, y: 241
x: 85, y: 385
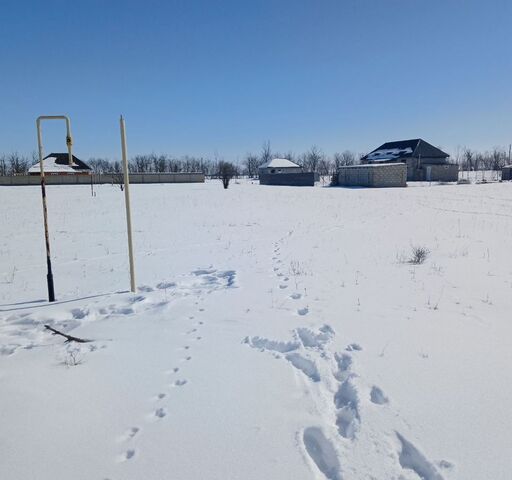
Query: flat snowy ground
x: 278, y: 333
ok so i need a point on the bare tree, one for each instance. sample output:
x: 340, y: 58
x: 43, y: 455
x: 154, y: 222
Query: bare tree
x: 266, y: 153
x: 3, y: 166
x: 312, y: 159
x: 251, y: 164
x: 226, y: 172
x: 18, y: 164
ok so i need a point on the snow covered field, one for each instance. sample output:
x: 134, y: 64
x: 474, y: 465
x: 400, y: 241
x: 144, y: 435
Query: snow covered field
x: 278, y: 333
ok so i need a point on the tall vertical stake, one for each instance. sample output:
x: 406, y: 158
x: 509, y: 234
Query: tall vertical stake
x: 127, y: 203
x: 49, y: 274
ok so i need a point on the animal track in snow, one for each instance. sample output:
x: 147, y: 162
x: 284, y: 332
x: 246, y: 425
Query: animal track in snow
x: 129, y: 434
x: 377, y: 396
x: 160, y: 412
x: 303, y: 311
x: 322, y: 453
x: 160, y: 396
x: 295, y: 296
x: 283, y: 286
x: 411, y: 458
x: 353, y: 347
x: 128, y: 455
x: 179, y: 383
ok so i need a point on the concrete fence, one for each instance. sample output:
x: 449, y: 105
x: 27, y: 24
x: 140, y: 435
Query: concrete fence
x: 104, y: 178
x: 373, y: 175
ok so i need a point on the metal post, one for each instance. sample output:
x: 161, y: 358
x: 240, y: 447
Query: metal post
x: 69, y: 142
x: 127, y: 204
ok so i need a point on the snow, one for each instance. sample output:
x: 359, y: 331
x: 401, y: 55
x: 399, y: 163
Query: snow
x: 280, y: 163
x: 50, y: 166
x: 261, y: 343
x: 388, y: 154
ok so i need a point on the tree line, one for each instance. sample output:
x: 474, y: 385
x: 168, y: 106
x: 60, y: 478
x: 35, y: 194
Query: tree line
x: 313, y: 160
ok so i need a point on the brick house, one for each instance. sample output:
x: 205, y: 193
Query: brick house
x: 424, y: 161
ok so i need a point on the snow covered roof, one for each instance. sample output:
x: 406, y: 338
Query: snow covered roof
x: 280, y: 163
x: 387, y: 154
x: 404, y: 148
x: 59, y: 163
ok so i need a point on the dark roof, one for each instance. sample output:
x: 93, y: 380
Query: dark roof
x: 403, y: 149
x: 63, y: 159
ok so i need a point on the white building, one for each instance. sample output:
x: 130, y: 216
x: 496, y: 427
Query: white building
x: 280, y: 165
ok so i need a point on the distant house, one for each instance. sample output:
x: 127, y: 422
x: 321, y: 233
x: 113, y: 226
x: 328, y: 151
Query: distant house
x: 279, y: 165
x: 58, y: 164
x: 506, y: 172
x: 281, y: 171
x: 424, y: 161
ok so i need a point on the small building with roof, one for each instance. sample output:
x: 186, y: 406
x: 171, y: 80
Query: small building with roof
x: 424, y: 161
x: 281, y: 171
x: 279, y: 165
x: 58, y: 164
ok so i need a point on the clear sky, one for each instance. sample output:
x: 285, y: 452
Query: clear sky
x: 222, y: 77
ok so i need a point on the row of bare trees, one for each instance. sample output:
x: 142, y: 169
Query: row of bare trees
x: 470, y: 160
x: 15, y: 164
x: 313, y: 160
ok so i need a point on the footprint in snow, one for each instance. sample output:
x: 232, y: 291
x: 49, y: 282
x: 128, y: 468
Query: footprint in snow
x: 179, y: 383
x: 160, y: 396
x: 354, y: 347
x: 303, y: 311
x: 128, y: 455
x: 160, y: 412
x: 145, y: 288
x: 377, y: 396
x: 165, y: 285
x: 283, y: 286
x: 129, y: 434
x: 411, y: 458
x: 322, y: 453
x: 295, y: 296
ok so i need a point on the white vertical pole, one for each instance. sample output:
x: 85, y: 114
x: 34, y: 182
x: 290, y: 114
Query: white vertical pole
x: 127, y: 203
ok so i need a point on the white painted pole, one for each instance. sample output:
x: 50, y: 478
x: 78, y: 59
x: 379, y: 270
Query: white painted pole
x: 127, y: 204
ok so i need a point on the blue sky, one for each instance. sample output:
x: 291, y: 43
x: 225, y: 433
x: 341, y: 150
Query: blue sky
x: 222, y: 77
